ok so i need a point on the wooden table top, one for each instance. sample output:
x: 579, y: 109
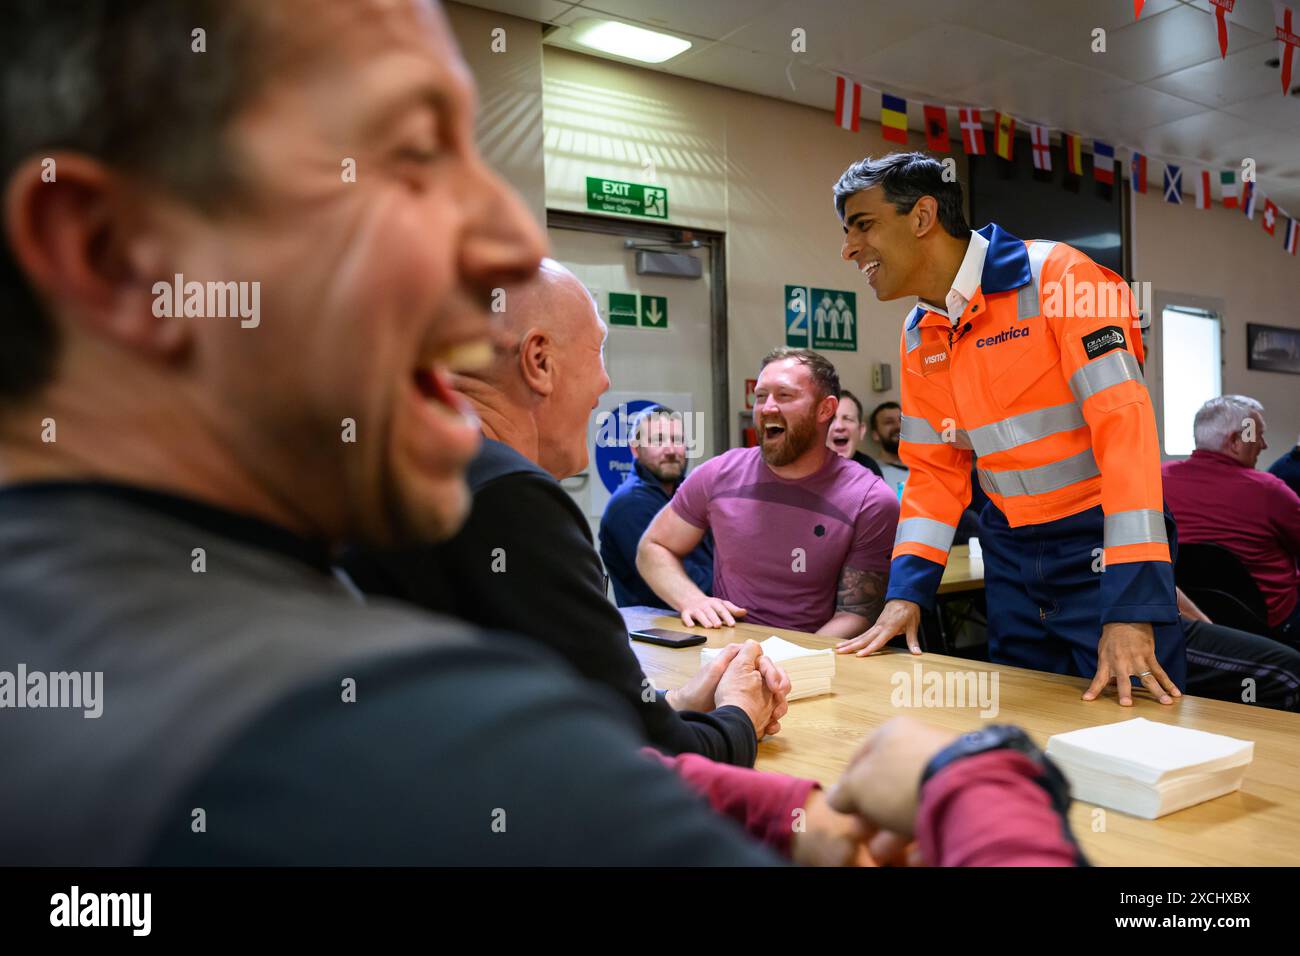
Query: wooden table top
x: 1258, y: 825
x: 958, y: 575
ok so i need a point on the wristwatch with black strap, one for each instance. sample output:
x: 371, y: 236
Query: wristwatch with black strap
x: 1004, y: 737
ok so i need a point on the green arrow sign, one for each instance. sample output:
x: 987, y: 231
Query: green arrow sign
x: 654, y: 312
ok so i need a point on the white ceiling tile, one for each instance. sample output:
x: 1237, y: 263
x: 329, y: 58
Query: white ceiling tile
x: 543, y: 11
x: 1272, y: 110
x: 1168, y: 41
x: 1218, y: 82
x: 1031, y: 23
x: 832, y: 36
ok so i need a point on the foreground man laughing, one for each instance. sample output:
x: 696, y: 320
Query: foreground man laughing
x: 173, y: 485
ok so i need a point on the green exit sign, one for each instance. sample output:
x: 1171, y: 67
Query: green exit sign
x: 628, y: 199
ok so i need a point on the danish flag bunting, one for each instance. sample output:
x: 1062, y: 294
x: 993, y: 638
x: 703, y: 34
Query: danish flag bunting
x: 972, y: 131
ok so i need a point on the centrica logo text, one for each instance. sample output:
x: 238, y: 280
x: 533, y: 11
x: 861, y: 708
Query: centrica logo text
x: 1008, y: 335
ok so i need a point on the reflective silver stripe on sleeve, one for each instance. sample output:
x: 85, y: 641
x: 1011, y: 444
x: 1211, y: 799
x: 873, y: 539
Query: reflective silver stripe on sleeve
x: 936, y: 534
x: 913, y: 336
x: 1111, y: 369
x: 1022, y: 429
x: 1029, y: 296
x: 1141, y: 526
x: 918, y: 431
x: 1040, y: 480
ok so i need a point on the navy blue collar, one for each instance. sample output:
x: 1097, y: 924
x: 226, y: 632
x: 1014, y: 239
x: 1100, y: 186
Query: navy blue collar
x: 1006, y: 266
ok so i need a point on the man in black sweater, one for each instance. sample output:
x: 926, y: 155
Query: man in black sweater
x: 525, y: 561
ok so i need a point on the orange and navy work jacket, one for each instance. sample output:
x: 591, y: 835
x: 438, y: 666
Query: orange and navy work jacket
x: 1041, y: 379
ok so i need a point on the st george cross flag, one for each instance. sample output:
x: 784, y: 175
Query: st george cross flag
x: 1270, y: 216
x: 1228, y: 183
x: 1289, y: 241
x: 1203, y: 189
x: 893, y: 118
x: 1248, y: 199
x: 936, y: 128
x: 1173, y: 184
x: 1103, y: 161
x: 848, y: 103
x: 1137, y: 8
x: 1221, y: 10
x: 1042, y: 143
x: 1004, y: 136
x: 1138, y: 172
x: 1286, y: 28
x: 1073, y: 154
x: 972, y: 131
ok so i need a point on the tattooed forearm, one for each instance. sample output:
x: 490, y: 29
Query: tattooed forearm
x: 862, y: 592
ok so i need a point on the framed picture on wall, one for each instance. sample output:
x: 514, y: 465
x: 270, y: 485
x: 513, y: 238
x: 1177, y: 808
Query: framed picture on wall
x: 1271, y: 348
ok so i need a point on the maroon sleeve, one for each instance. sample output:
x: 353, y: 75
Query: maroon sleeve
x: 989, y: 810
x: 762, y: 802
x: 691, y: 500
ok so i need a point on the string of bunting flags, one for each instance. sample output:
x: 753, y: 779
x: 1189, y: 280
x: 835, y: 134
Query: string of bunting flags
x: 1184, y: 182
x: 1286, y: 27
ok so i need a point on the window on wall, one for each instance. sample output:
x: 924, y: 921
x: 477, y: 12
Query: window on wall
x: 1192, y: 371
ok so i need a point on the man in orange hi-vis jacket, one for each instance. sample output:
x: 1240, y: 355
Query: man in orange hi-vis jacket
x: 1027, y: 354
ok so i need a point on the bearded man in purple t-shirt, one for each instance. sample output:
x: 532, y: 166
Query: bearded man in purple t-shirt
x: 802, y: 537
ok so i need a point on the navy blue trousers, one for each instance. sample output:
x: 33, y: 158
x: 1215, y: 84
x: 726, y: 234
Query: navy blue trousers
x: 1044, y: 599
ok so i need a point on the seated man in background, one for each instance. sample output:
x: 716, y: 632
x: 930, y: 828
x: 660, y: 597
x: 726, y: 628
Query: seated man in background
x: 802, y: 537
x: 847, y: 431
x: 524, y: 560
x: 1218, y: 497
x: 659, y: 466
x: 886, y: 425
x: 1288, y: 468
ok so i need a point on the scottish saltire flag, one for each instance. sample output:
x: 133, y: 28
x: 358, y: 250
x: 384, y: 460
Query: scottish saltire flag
x: 1248, y: 200
x: 1103, y: 161
x: 1138, y: 172
x: 1290, y: 236
x: 1173, y: 184
x: 1228, y: 180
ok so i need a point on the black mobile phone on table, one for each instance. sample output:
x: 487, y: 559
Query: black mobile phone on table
x: 666, y: 638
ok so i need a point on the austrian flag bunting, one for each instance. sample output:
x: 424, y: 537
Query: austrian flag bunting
x: 972, y: 131
x: 848, y: 103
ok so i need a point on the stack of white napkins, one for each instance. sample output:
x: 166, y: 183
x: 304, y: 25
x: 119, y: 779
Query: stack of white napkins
x: 1147, y: 768
x: 810, y: 671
